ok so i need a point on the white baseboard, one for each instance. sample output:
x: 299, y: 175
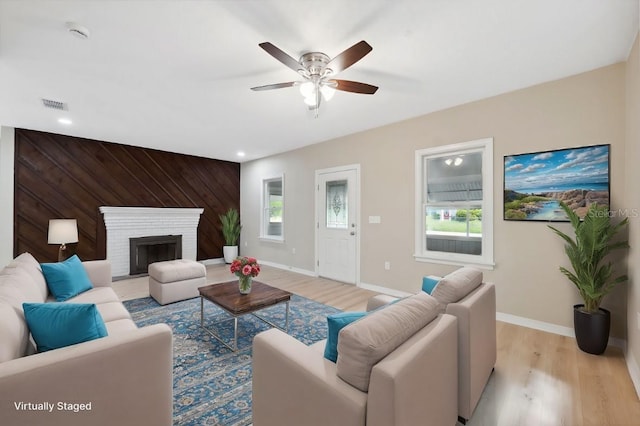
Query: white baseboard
x: 217, y: 261
x: 288, y: 268
x: 550, y: 328
x: 634, y: 370
x: 384, y: 290
x: 535, y: 324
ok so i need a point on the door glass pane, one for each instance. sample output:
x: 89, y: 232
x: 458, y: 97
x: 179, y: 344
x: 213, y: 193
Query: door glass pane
x: 337, y: 205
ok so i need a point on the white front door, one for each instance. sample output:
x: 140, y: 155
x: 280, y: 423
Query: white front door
x: 337, y: 238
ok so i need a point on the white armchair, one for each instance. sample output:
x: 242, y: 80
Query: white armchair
x: 414, y: 384
x: 477, y: 346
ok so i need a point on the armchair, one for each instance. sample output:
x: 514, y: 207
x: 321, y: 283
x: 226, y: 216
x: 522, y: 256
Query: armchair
x: 415, y: 383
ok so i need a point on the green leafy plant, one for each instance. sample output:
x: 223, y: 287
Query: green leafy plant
x: 593, y: 242
x: 231, y: 227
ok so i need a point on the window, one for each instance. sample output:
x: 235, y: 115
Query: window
x: 272, y: 226
x: 454, y: 203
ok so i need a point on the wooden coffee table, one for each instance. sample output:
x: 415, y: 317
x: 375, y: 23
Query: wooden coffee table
x: 227, y: 296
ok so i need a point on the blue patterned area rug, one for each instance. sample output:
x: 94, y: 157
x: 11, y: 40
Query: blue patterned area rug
x: 212, y: 385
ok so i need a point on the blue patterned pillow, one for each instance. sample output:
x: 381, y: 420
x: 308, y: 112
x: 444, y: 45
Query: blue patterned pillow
x: 66, y: 279
x: 429, y: 284
x: 56, y: 325
x: 335, y: 323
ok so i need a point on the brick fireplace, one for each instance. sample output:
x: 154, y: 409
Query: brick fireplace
x: 126, y: 223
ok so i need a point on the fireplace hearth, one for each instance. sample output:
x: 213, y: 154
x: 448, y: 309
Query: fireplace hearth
x: 147, y: 250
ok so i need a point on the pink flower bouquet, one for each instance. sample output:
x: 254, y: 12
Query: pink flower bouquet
x: 244, y: 266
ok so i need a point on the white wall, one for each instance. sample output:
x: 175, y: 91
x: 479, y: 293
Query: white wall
x: 632, y: 201
x: 7, y: 138
x: 586, y: 109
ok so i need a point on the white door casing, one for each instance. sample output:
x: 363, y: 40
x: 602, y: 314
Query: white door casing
x: 337, y: 223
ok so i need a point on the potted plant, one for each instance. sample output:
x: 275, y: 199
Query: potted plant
x: 591, y: 274
x: 231, y: 232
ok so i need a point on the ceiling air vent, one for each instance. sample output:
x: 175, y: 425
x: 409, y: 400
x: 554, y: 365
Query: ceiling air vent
x: 48, y: 103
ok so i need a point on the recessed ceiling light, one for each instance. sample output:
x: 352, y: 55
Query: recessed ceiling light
x: 64, y: 121
x: 241, y: 154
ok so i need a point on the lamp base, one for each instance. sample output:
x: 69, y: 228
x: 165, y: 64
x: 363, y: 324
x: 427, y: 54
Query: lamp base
x: 66, y: 251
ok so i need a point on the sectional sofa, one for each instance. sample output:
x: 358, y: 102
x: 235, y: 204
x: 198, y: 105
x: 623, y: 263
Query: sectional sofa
x: 122, y: 379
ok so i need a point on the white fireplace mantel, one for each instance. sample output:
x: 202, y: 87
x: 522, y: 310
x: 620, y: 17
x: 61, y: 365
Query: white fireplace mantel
x: 123, y: 223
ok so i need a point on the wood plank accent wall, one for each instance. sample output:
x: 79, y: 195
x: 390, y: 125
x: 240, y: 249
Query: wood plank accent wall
x: 59, y: 176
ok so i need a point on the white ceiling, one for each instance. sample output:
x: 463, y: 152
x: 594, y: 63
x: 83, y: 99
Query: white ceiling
x: 175, y: 75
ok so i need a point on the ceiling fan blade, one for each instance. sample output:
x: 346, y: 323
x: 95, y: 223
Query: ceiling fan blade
x: 274, y: 86
x: 355, y: 87
x: 281, y: 56
x: 349, y: 56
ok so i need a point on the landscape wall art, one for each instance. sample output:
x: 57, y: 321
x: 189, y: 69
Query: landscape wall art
x: 536, y: 183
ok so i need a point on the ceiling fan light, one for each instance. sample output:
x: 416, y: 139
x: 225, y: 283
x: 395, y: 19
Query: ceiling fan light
x: 307, y: 89
x: 310, y: 100
x: 327, y: 92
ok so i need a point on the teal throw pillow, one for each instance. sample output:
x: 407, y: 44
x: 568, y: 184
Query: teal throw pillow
x: 66, y: 279
x: 429, y: 283
x: 56, y: 325
x: 335, y: 323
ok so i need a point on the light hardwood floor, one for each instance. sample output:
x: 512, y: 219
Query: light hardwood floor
x: 540, y: 379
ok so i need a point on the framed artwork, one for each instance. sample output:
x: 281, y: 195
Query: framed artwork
x: 536, y: 183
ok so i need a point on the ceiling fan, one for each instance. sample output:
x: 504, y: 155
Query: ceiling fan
x: 318, y: 70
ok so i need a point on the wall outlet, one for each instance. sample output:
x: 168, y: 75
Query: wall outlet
x: 638, y: 313
x: 387, y: 265
x: 293, y: 250
x: 245, y: 243
x: 374, y: 219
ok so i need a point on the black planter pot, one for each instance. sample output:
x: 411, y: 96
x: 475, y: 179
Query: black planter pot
x: 592, y: 329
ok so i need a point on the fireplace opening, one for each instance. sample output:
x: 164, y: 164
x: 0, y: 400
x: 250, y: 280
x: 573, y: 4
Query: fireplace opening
x: 147, y: 250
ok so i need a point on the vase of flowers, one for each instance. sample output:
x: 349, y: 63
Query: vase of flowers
x: 245, y: 269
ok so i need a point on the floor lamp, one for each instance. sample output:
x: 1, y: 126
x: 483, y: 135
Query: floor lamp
x: 63, y: 232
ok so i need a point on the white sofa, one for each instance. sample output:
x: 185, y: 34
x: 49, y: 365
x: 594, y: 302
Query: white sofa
x: 122, y: 379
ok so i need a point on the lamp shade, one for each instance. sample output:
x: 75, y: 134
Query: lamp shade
x: 63, y: 231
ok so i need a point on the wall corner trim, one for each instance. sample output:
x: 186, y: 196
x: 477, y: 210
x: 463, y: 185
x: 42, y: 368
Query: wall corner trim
x: 634, y: 370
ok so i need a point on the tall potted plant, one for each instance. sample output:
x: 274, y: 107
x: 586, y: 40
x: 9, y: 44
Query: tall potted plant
x: 591, y: 274
x: 231, y: 232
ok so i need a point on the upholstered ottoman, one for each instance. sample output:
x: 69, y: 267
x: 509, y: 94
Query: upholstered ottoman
x: 175, y: 280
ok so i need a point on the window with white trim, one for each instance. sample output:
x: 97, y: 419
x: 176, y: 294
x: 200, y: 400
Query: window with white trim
x: 454, y: 203
x: 272, y: 225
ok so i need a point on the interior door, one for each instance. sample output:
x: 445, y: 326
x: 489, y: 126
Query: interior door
x: 337, y: 224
